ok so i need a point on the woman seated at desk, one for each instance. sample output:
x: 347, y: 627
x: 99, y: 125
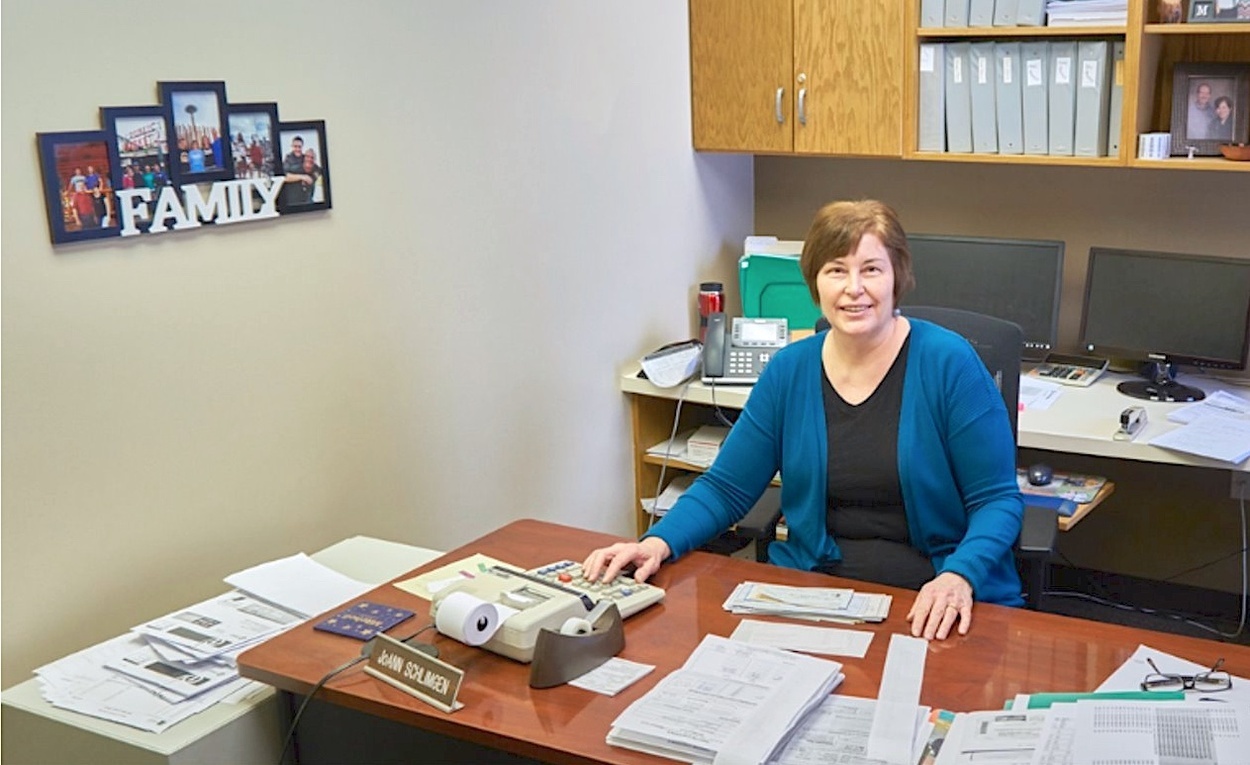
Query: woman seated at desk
x: 893, y: 443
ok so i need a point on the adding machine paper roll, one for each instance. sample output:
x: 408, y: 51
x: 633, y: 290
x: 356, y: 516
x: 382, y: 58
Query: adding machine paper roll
x: 575, y: 626
x: 468, y: 619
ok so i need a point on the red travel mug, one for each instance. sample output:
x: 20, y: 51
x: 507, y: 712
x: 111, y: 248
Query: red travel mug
x: 711, y: 300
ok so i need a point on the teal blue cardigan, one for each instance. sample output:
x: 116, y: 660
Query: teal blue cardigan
x: 956, y: 463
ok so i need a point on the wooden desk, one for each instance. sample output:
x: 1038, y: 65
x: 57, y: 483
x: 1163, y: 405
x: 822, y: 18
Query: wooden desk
x: 1008, y: 651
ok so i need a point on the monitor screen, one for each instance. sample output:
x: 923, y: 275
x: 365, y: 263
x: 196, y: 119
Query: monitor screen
x: 1165, y: 309
x: 1013, y: 279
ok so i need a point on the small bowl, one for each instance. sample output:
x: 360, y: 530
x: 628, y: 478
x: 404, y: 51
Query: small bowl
x: 1239, y: 152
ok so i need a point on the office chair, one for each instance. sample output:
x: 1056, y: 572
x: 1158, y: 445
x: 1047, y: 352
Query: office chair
x: 998, y: 343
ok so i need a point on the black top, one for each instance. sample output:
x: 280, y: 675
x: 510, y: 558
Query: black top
x: 864, y: 510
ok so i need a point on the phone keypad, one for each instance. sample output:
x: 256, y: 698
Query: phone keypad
x: 746, y: 363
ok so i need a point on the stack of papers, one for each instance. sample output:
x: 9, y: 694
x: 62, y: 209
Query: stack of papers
x: 838, y: 731
x: 172, y: 667
x: 729, y: 702
x: 167, y: 669
x: 663, y: 503
x: 822, y: 604
x: 1217, y: 427
x: 678, y: 449
x: 1089, y: 732
x: 1103, y: 730
x: 1075, y: 13
x: 704, y: 445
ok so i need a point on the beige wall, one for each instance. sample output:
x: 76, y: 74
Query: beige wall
x: 517, y: 212
x: 1160, y: 521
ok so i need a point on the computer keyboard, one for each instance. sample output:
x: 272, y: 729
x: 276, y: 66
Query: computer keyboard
x: 630, y: 596
x: 1070, y: 370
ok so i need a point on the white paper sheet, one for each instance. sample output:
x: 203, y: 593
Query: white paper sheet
x: 1161, y: 732
x: 897, y: 700
x: 1002, y: 737
x: 613, y: 676
x: 298, y: 583
x: 1038, y: 395
x: 797, y: 637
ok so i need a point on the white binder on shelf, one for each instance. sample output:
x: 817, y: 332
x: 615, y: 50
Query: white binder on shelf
x: 1005, y: 12
x: 1034, y: 89
x: 931, y: 132
x: 980, y: 13
x: 1115, y: 115
x: 1031, y: 13
x: 958, y: 98
x: 1007, y: 98
x: 1093, y: 98
x: 956, y: 13
x: 984, y: 114
x: 931, y: 13
x: 1062, y: 97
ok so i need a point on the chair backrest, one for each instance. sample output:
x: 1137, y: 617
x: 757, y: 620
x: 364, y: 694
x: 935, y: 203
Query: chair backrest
x: 998, y: 342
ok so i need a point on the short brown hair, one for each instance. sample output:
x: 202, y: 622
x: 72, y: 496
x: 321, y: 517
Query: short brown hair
x: 836, y: 232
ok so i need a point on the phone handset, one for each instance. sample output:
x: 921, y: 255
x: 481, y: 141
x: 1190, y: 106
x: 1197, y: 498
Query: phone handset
x: 714, y: 346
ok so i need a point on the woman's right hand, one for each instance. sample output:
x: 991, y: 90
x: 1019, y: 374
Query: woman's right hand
x: 606, y: 563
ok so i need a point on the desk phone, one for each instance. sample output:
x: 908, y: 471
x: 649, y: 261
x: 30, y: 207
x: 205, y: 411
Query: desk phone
x: 737, y: 356
x: 546, y: 597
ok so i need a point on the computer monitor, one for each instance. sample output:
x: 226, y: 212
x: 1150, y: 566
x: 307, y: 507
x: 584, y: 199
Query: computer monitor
x: 1165, y: 309
x: 1013, y: 279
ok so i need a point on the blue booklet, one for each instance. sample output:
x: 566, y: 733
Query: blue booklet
x: 363, y: 620
x: 1064, y: 507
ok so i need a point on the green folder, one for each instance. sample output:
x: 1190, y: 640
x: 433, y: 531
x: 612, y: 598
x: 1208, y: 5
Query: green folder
x: 1044, y: 700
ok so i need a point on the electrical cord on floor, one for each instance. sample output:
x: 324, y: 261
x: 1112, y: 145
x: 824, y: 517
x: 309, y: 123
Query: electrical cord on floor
x: 1180, y: 616
x: 1201, y: 566
x: 365, y: 652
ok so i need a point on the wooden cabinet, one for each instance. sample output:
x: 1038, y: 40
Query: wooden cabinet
x: 839, y: 77
x: 798, y: 76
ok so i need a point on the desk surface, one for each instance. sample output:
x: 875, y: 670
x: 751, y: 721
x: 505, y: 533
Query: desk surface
x: 1081, y: 421
x: 1008, y: 651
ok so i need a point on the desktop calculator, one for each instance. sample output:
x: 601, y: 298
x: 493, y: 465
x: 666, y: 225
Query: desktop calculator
x: 1069, y: 370
x: 630, y: 596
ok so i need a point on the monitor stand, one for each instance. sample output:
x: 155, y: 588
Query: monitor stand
x: 1160, y: 385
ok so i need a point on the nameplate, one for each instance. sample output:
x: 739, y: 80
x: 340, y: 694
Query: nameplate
x: 434, y: 682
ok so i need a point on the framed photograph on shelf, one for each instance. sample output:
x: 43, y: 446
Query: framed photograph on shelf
x: 253, y: 132
x: 1215, y: 11
x: 78, y: 190
x: 138, y: 150
x: 196, y: 117
x: 1210, y: 107
x: 306, y: 164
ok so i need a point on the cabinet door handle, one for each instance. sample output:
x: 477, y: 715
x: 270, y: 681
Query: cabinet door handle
x: 802, y: 106
x: 781, y: 116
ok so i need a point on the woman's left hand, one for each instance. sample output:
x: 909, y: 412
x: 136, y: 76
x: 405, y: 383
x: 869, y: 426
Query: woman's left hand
x: 943, y: 600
